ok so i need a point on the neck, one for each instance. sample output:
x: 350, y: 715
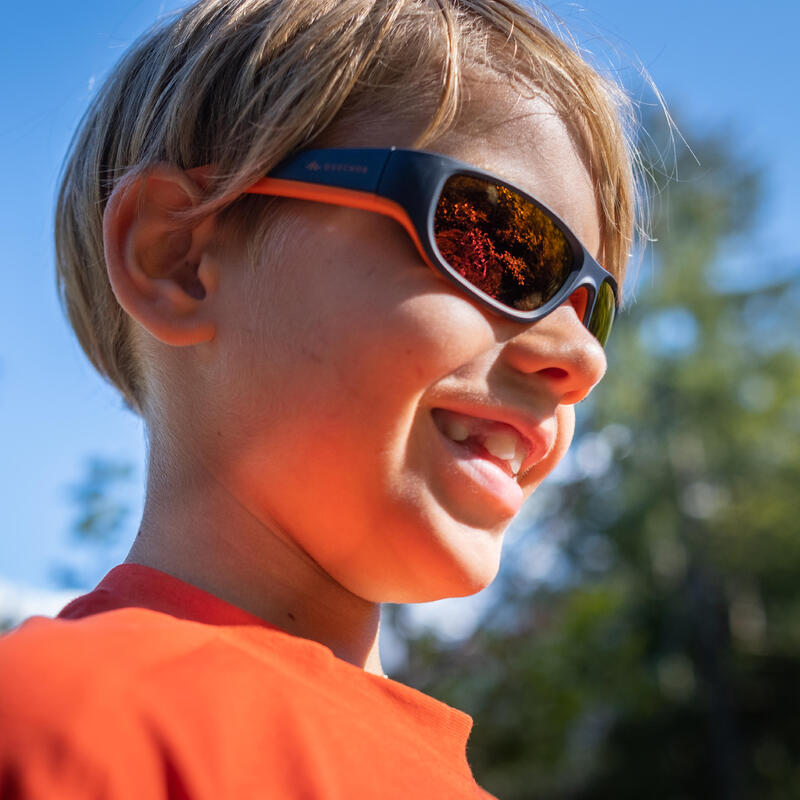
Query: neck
x: 195, y: 530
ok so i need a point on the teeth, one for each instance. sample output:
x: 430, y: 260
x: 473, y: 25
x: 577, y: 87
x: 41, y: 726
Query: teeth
x: 456, y: 430
x: 501, y: 445
x: 519, y: 457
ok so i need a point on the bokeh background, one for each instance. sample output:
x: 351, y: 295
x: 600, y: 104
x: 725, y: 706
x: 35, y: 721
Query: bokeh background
x: 643, y: 638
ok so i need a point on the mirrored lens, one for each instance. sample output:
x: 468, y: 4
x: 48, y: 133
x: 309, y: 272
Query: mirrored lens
x: 603, y: 314
x: 501, y: 242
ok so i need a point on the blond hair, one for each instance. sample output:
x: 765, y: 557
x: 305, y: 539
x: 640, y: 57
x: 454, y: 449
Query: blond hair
x: 243, y: 83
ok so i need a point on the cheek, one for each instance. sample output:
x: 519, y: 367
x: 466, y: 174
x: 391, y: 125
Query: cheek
x: 565, y: 416
x: 565, y: 422
x: 352, y: 325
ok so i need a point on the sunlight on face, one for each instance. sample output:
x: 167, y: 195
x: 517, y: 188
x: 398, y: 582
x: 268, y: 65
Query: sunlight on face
x: 337, y: 348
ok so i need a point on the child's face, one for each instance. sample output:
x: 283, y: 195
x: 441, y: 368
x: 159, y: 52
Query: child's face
x: 333, y: 353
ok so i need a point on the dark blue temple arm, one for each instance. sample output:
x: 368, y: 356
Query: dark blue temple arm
x: 356, y: 169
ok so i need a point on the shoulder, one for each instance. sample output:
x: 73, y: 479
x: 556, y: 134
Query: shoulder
x: 59, y: 663
x: 69, y: 669
x: 131, y: 676
x: 130, y: 702
x: 77, y: 701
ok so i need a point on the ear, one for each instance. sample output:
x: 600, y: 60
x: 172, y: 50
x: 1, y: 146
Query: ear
x: 162, y: 275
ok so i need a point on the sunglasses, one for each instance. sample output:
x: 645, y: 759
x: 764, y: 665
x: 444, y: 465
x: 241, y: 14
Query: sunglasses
x: 498, y: 244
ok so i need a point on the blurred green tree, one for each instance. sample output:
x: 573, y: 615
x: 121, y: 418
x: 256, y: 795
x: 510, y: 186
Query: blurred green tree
x: 657, y: 656
x: 102, y: 512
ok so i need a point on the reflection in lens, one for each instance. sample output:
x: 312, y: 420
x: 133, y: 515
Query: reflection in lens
x: 501, y: 243
x: 580, y: 301
x: 603, y: 314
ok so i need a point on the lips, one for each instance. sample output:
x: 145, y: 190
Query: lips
x: 507, y: 439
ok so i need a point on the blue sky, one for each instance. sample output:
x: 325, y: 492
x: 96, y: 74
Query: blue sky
x: 720, y: 63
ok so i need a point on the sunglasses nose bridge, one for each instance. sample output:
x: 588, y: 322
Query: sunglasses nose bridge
x: 582, y: 298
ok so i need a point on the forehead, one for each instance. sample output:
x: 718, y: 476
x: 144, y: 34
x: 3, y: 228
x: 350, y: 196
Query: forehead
x: 523, y: 140
x: 518, y: 137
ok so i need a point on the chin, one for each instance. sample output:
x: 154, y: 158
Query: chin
x: 458, y: 574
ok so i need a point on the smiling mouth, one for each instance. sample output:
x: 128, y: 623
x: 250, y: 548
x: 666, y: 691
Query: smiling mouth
x: 494, y: 441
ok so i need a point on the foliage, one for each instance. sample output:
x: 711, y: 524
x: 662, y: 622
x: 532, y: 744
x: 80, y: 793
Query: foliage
x: 657, y: 659
x: 102, y: 514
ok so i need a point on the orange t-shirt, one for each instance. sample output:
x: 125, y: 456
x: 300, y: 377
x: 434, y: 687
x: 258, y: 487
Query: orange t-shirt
x: 150, y: 688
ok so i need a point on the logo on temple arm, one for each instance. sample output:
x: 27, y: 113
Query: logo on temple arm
x: 315, y: 166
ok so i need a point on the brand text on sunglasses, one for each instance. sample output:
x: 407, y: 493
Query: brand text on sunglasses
x: 315, y: 166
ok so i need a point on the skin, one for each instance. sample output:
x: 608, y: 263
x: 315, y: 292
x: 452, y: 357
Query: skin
x: 294, y: 467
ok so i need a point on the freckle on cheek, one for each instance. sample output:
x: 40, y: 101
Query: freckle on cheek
x: 313, y: 355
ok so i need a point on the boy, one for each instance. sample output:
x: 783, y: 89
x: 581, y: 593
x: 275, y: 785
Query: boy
x: 354, y: 363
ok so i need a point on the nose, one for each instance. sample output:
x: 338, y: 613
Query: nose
x: 559, y: 350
